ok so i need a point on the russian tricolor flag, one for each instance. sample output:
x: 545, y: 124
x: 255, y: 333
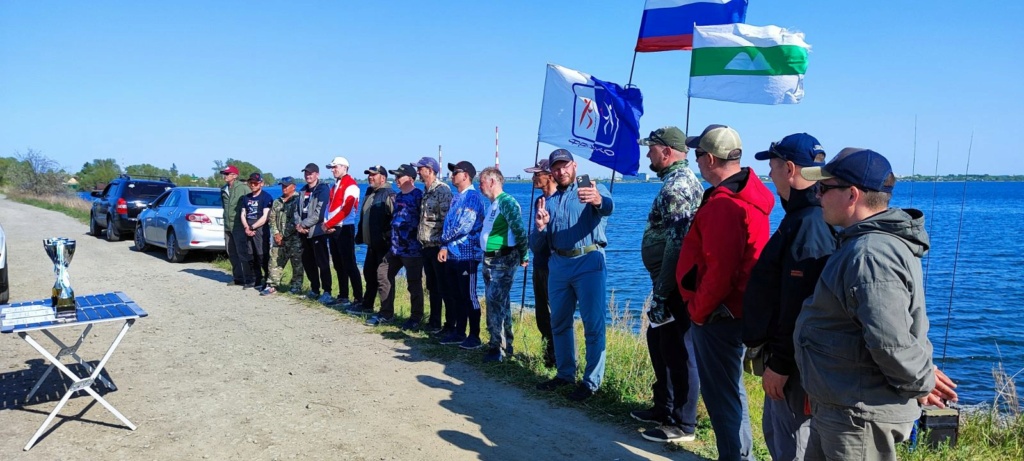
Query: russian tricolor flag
x: 668, y: 24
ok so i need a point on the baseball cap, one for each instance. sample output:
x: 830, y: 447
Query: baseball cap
x: 800, y: 148
x: 559, y: 155
x: 463, y: 166
x: 404, y: 170
x: 311, y: 168
x: 669, y: 136
x: 376, y: 169
x: 543, y: 166
x: 230, y: 169
x: 863, y: 168
x: 338, y: 161
x: 286, y: 181
x: 718, y: 140
x: 430, y: 163
x: 255, y: 177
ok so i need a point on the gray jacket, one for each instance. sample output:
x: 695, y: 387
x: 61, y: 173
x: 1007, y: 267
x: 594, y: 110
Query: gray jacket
x: 862, y: 338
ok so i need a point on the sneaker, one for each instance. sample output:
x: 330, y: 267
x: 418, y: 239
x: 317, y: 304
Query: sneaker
x: 378, y: 320
x: 471, y: 343
x: 313, y: 295
x: 268, y: 291
x: 296, y: 290
x: 666, y: 433
x: 237, y: 282
x: 411, y: 325
x: 581, y: 393
x: 453, y: 337
x: 493, y: 355
x: 442, y: 331
x: 326, y: 299
x: 358, y: 309
x: 248, y: 285
x: 553, y: 384
x: 341, y: 303
x: 647, y: 416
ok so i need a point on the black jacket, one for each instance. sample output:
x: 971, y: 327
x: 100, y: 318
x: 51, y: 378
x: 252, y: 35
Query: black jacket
x: 784, y: 276
x: 376, y: 210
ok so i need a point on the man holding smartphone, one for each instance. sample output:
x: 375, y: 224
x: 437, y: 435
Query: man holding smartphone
x: 572, y: 224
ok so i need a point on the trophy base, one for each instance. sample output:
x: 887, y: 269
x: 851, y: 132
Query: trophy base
x: 65, y: 308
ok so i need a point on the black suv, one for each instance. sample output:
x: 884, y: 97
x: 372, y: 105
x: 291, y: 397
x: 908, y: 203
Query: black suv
x: 116, y: 208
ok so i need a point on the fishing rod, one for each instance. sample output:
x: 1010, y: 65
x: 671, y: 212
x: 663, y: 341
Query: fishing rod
x: 913, y: 165
x: 935, y: 181
x: 956, y: 254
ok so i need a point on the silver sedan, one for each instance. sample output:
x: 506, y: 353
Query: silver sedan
x: 182, y: 219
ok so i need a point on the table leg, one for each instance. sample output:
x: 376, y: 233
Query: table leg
x: 66, y: 350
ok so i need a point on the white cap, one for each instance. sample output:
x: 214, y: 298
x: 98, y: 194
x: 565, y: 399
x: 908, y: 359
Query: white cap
x: 338, y: 161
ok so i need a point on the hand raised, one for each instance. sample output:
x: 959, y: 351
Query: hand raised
x: 589, y: 195
x: 542, y: 217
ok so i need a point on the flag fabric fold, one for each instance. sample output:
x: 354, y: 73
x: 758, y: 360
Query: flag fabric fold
x: 748, y: 64
x: 668, y: 24
x: 592, y: 118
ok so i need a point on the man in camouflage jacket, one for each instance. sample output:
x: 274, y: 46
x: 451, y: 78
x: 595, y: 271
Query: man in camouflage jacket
x: 287, y: 243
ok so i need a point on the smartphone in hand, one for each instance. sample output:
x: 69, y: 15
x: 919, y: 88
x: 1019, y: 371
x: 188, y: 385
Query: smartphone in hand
x: 584, y: 181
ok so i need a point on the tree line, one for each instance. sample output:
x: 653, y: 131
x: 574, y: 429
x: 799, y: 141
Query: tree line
x: 34, y: 173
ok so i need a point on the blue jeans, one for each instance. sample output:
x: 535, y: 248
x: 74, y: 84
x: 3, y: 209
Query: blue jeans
x: 719, y: 349
x: 571, y: 282
x: 499, y: 272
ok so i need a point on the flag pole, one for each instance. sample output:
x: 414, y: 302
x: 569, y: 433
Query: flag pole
x: 632, y: 67
x: 529, y: 231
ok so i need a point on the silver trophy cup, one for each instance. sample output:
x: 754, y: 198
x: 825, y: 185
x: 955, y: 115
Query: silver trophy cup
x: 61, y: 250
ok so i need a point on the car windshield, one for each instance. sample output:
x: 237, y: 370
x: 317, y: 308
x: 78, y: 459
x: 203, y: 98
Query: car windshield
x: 210, y: 198
x: 145, y: 190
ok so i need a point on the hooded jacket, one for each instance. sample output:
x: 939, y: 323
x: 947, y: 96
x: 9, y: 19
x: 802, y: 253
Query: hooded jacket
x: 784, y: 277
x: 862, y: 339
x: 312, y: 208
x: 725, y: 239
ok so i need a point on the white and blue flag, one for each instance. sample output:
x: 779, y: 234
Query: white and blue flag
x: 592, y: 118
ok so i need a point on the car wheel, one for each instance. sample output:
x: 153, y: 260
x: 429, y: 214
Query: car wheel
x: 174, y: 252
x: 140, y: 239
x: 112, y: 234
x: 94, y: 229
x: 5, y: 287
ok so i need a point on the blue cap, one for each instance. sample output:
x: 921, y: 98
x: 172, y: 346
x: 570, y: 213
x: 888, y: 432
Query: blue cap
x: 863, y: 168
x: 559, y: 155
x: 286, y: 181
x: 800, y: 148
x: 429, y: 162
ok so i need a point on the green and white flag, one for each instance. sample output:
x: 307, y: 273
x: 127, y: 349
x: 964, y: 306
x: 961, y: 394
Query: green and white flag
x: 751, y: 64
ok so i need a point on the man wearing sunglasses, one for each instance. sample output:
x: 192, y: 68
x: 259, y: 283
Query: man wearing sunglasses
x: 862, y: 338
x: 725, y: 239
x: 783, y: 277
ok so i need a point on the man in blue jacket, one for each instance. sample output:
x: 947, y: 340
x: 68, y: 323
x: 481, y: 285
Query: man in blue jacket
x: 572, y: 222
x: 782, y: 278
x: 461, y: 254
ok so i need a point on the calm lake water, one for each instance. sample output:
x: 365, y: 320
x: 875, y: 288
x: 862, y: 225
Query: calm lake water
x: 981, y: 305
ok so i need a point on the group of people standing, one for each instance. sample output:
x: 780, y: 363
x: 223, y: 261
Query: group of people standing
x: 829, y: 309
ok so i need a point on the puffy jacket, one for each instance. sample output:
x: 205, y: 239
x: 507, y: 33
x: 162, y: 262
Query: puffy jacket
x: 725, y: 239
x: 862, y: 339
x: 374, y: 227
x: 784, y: 276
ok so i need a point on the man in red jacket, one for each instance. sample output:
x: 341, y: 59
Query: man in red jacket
x: 340, y: 225
x: 725, y: 239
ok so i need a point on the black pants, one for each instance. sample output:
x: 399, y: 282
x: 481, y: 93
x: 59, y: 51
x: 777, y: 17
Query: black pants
x: 542, y: 308
x: 667, y: 347
x: 343, y: 255
x: 374, y: 259
x: 240, y: 242
x: 436, y: 285
x: 237, y: 273
x: 258, y: 252
x: 461, y: 297
x: 317, y: 263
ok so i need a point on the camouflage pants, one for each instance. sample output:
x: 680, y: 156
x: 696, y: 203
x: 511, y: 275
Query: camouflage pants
x: 289, y: 251
x: 499, y: 273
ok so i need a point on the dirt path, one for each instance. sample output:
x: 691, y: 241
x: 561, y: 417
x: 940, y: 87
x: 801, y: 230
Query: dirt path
x: 218, y: 373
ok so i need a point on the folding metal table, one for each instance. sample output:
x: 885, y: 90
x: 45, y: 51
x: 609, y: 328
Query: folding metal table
x: 38, y: 316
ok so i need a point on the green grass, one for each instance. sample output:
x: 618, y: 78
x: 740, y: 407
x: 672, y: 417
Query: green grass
x: 68, y: 204
x: 984, y: 435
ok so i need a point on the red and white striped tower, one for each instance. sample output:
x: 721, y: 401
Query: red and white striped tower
x: 440, y: 162
x: 497, y: 160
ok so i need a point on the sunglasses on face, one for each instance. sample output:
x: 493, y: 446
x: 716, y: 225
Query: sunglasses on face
x: 823, y: 188
x: 698, y: 153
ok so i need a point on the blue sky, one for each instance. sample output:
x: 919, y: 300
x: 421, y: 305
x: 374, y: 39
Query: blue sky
x: 280, y: 84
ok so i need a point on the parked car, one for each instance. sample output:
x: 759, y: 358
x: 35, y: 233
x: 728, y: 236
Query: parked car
x: 117, y: 207
x: 5, y: 286
x: 180, y: 220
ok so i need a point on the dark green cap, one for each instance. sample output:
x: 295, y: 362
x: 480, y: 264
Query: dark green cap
x: 669, y: 136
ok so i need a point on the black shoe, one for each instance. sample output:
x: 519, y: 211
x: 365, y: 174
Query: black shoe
x: 493, y: 355
x: 581, y: 393
x: 411, y: 325
x: 647, y: 416
x: 666, y: 433
x: 442, y: 332
x: 553, y: 384
x: 248, y: 285
x: 359, y: 309
x: 237, y: 282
